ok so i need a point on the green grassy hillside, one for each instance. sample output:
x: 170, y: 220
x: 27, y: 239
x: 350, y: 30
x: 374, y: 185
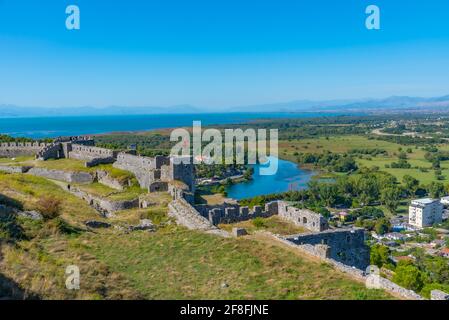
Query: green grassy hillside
x: 172, y: 263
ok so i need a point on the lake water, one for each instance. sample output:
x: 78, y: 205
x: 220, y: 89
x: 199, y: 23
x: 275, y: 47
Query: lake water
x: 288, y: 177
x: 49, y: 127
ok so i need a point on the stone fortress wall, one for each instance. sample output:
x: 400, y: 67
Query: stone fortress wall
x: 160, y: 173
x: 231, y: 213
x: 302, y: 217
x: 19, y: 149
x: 343, y: 245
x: 147, y: 170
x: 321, y: 252
x: 92, y: 155
x: 156, y: 174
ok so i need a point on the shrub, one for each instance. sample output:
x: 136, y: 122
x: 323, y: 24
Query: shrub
x: 49, y: 207
x: 259, y: 222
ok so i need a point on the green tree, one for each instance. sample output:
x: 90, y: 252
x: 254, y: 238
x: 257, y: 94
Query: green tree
x: 436, y: 190
x: 382, y: 226
x: 380, y: 255
x: 411, y: 184
x: 390, y: 197
x: 328, y: 193
x: 438, y: 269
x: 410, y: 277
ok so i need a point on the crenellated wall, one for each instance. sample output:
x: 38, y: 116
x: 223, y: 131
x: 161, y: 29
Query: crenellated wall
x: 302, y: 217
x: 61, y: 147
x: 18, y: 149
x: 231, y: 213
x: 92, y: 155
x: 83, y: 152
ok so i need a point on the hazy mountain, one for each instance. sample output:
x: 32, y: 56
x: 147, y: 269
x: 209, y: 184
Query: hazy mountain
x: 388, y: 104
x: 356, y: 105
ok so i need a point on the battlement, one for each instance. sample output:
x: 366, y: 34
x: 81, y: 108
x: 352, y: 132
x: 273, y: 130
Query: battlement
x: 87, y: 152
x: 23, y: 145
x: 302, y: 217
x: 17, y: 149
x: 231, y: 213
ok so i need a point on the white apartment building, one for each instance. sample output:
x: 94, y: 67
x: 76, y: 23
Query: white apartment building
x: 425, y: 212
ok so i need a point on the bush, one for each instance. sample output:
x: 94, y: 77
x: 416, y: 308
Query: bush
x: 49, y: 207
x: 428, y: 288
x: 259, y: 222
x: 409, y: 277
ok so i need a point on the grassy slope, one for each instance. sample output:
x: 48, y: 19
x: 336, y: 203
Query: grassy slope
x: 180, y: 264
x: 172, y: 263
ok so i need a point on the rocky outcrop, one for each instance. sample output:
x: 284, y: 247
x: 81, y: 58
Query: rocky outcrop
x: 438, y: 295
x: 144, y: 225
x: 33, y: 215
x: 239, y: 232
x: 97, y: 224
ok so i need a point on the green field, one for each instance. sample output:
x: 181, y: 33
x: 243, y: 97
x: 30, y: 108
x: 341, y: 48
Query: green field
x: 343, y: 144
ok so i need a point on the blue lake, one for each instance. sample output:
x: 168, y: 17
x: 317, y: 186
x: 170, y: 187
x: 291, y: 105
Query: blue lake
x: 49, y: 127
x: 288, y: 177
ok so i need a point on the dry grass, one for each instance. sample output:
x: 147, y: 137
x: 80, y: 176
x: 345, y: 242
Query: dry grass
x: 172, y: 263
x: 273, y: 224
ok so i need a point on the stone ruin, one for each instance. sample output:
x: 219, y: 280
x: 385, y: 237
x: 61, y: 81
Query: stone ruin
x: 342, y: 245
x: 302, y: 217
x: 79, y: 148
x: 231, y: 213
x: 18, y: 149
x: 160, y: 173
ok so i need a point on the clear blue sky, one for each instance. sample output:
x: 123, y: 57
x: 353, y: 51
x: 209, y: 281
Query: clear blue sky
x: 217, y: 53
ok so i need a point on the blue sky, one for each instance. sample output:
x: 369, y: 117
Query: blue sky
x: 219, y: 53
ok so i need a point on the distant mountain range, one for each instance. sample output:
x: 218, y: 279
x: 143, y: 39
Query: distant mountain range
x: 394, y: 103
x: 391, y: 104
